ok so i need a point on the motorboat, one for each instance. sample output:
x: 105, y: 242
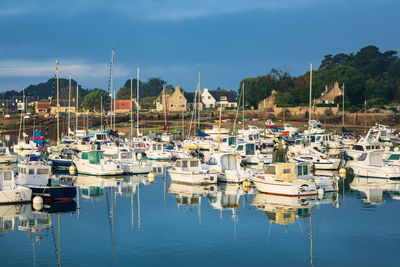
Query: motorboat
x: 93, y: 163
x: 64, y: 159
x: 371, y: 165
x: 315, y: 128
x: 281, y: 179
x: 157, y: 151
x: 364, y: 145
x: 35, y: 172
x: 190, y: 171
x: 251, y: 155
x: 290, y: 129
x: 328, y: 183
x: 10, y: 192
x: 131, y: 164
x: 6, y: 157
x: 270, y: 124
x: 215, y: 132
x: 319, y: 161
x: 227, y: 166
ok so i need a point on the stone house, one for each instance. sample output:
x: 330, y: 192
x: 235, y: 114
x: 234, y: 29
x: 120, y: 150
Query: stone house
x: 267, y: 103
x: 332, y: 94
x: 176, y: 101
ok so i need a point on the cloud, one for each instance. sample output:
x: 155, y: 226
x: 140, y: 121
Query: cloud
x: 154, y: 10
x: 21, y: 68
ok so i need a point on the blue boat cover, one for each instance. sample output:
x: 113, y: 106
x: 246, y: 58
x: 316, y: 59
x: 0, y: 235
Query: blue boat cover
x: 201, y: 134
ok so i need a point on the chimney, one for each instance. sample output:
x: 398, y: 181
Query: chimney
x: 177, y: 88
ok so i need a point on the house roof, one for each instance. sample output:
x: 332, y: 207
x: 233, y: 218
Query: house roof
x: 43, y: 105
x: 189, y: 96
x: 122, y: 104
x: 230, y: 96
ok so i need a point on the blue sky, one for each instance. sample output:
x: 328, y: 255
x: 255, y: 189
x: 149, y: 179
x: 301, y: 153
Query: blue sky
x: 228, y: 39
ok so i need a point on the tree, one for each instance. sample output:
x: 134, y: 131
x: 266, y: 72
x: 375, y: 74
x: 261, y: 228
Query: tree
x: 92, y: 100
x: 124, y: 93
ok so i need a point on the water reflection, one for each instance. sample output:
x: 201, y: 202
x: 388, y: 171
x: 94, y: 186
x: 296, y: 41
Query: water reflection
x: 375, y: 189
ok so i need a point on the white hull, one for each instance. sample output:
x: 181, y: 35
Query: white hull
x: 19, y: 194
x: 193, y: 178
x: 297, y: 188
x: 233, y: 176
x: 385, y: 172
x: 136, y: 168
x: 98, y: 170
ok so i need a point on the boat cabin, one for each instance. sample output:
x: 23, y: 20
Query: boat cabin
x: 248, y: 149
x: 285, y: 172
x: 94, y: 156
x: 6, y: 180
x: 372, y: 158
x: 188, y: 164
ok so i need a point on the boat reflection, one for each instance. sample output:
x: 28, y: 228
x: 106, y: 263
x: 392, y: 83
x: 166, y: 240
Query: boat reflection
x: 93, y: 186
x: 284, y: 210
x: 160, y: 167
x: 190, y: 195
x: 374, y: 189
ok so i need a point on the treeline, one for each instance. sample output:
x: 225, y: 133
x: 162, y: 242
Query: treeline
x: 367, y: 75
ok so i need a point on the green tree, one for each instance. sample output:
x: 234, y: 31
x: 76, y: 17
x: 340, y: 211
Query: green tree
x: 92, y: 100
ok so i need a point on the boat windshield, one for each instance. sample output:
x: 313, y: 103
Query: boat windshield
x: 231, y: 140
x: 250, y: 149
x: 212, y: 161
x: 270, y: 170
x: 362, y: 157
x: 95, y: 157
x: 394, y: 157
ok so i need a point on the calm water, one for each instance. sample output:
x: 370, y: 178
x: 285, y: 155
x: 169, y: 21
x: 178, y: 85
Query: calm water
x: 132, y: 222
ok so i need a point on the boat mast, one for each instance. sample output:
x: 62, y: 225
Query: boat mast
x: 137, y: 100
x: 69, y: 104
x: 76, y: 109
x: 343, y: 109
x: 309, y: 108
x: 198, y: 103
x: 21, y: 122
x: 131, y: 110
x: 219, y: 128
x: 112, y: 90
x: 101, y: 113
x: 243, y: 105
x: 58, y: 106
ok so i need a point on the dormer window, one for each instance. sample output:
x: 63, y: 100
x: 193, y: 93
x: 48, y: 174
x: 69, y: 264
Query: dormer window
x: 223, y: 98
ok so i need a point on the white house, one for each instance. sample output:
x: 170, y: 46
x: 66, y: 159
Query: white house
x: 208, y: 100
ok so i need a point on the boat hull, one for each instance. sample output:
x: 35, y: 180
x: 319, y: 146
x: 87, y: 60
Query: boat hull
x: 19, y: 195
x: 54, y: 193
x: 193, y: 178
x: 286, y: 189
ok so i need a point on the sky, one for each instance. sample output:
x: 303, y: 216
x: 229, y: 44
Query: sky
x: 227, y: 39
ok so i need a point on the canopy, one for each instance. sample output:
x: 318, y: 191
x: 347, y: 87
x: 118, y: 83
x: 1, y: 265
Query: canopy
x: 201, y: 134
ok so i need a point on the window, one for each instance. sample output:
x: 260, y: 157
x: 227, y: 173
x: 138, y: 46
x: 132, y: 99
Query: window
x: 7, y: 176
x: 362, y: 157
x: 42, y: 171
x: 31, y: 171
x: 184, y: 164
x: 270, y: 170
x: 182, y: 106
x: 240, y: 147
x: 394, y: 157
x: 194, y: 163
x: 209, y: 97
x: 286, y: 170
x: 172, y: 106
x: 250, y: 149
x: 178, y: 164
x: 305, y: 170
x: 180, y: 97
x: 299, y: 170
x: 223, y: 98
x: 212, y: 161
x: 359, y: 148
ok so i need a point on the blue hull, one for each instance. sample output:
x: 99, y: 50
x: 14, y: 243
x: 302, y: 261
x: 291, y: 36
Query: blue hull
x: 54, y: 193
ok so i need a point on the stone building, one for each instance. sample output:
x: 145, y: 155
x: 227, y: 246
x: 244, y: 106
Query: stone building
x: 267, y: 103
x: 176, y: 101
x: 63, y: 106
x: 332, y: 94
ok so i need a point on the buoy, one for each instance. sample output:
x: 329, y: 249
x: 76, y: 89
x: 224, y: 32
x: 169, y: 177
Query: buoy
x: 151, y: 177
x: 246, y: 183
x: 260, y: 165
x: 72, y: 169
x: 139, y: 156
x: 342, y: 173
x: 396, y: 149
x: 37, y: 203
x: 320, y: 193
x: 387, y: 148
